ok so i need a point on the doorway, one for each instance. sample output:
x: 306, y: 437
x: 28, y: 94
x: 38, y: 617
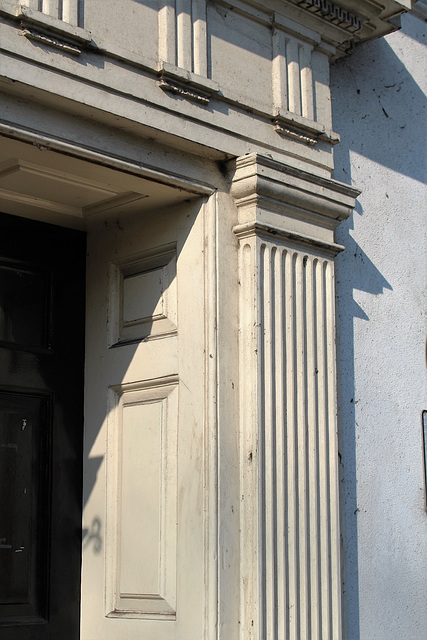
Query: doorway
x: 42, y: 289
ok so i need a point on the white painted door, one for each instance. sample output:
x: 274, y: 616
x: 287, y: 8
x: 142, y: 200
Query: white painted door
x: 144, y: 545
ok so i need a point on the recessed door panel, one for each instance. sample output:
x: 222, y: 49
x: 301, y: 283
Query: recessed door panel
x: 24, y: 464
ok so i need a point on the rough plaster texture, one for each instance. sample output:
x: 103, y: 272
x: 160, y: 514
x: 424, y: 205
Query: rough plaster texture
x: 379, y: 108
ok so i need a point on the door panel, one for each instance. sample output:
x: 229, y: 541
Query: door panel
x: 144, y: 564
x: 42, y: 271
x: 24, y: 492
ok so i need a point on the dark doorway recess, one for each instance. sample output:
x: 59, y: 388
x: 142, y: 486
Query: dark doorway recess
x: 42, y: 276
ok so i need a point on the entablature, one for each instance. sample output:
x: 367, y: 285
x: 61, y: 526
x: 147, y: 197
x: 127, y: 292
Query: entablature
x: 362, y: 19
x: 249, y: 73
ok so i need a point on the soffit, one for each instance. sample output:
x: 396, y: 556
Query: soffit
x: 363, y: 20
x: 45, y: 185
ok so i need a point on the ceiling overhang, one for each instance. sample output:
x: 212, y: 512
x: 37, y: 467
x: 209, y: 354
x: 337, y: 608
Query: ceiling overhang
x: 361, y: 20
x: 42, y: 184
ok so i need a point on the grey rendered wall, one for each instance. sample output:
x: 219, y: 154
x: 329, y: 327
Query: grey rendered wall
x: 379, y: 108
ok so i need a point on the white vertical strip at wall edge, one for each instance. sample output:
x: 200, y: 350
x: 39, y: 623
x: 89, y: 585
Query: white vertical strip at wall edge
x: 333, y: 460
x: 211, y: 421
x: 248, y: 441
x: 307, y: 102
x: 279, y: 70
x: 301, y: 461
x: 184, y: 34
x: 294, y: 85
x: 70, y: 11
x: 167, y: 31
x: 323, y: 451
x: 313, y: 499
x: 266, y: 437
x: 280, y: 462
x: 200, y: 51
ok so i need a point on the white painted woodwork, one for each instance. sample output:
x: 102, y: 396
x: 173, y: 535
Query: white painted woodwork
x: 306, y: 82
x: 289, y: 451
x: 142, y: 481
x: 238, y: 37
x: 322, y: 93
x: 143, y: 295
x: 184, y: 34
x: 294, y: 78
x: 290, y: 542
x: 69, y: 191
x: 32, y: 4
x: 200, y: 44
x: 148, y: 476
x: 298, y: 84
x: 127, y: 44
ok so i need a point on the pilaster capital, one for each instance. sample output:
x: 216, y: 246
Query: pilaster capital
x: 276, y: 199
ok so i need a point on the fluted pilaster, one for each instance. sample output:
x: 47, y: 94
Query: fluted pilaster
x: 290, y: 542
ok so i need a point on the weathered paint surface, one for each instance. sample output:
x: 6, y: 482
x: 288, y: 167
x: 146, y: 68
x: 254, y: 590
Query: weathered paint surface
x: 379, y: 108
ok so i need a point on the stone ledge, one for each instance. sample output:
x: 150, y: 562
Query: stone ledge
x: 186, y: 84
x: 295, y: 126
x: 48, y: 30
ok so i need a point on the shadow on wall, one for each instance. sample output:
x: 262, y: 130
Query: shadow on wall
x: 384, y: 103
x: 379, y: 109
x: 359, y: 273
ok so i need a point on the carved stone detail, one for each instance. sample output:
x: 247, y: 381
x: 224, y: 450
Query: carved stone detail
x: 294, y: 134
x: 33, y: 34
x: 304, y: 131
x: 182, y: 90
x: 53, y: 32
x: 289, y: 462
x: 186, y: 84
x: 290, y: 539
x: 333, y: 13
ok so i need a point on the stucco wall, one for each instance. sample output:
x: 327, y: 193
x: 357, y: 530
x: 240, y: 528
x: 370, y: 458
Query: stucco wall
x: 379, y: 108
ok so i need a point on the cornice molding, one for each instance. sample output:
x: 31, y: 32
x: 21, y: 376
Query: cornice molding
x: 268, y: 231
x: 334, y: 13
x: 278, y: 200
x: 255, y: 178
x: 361, y: 20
